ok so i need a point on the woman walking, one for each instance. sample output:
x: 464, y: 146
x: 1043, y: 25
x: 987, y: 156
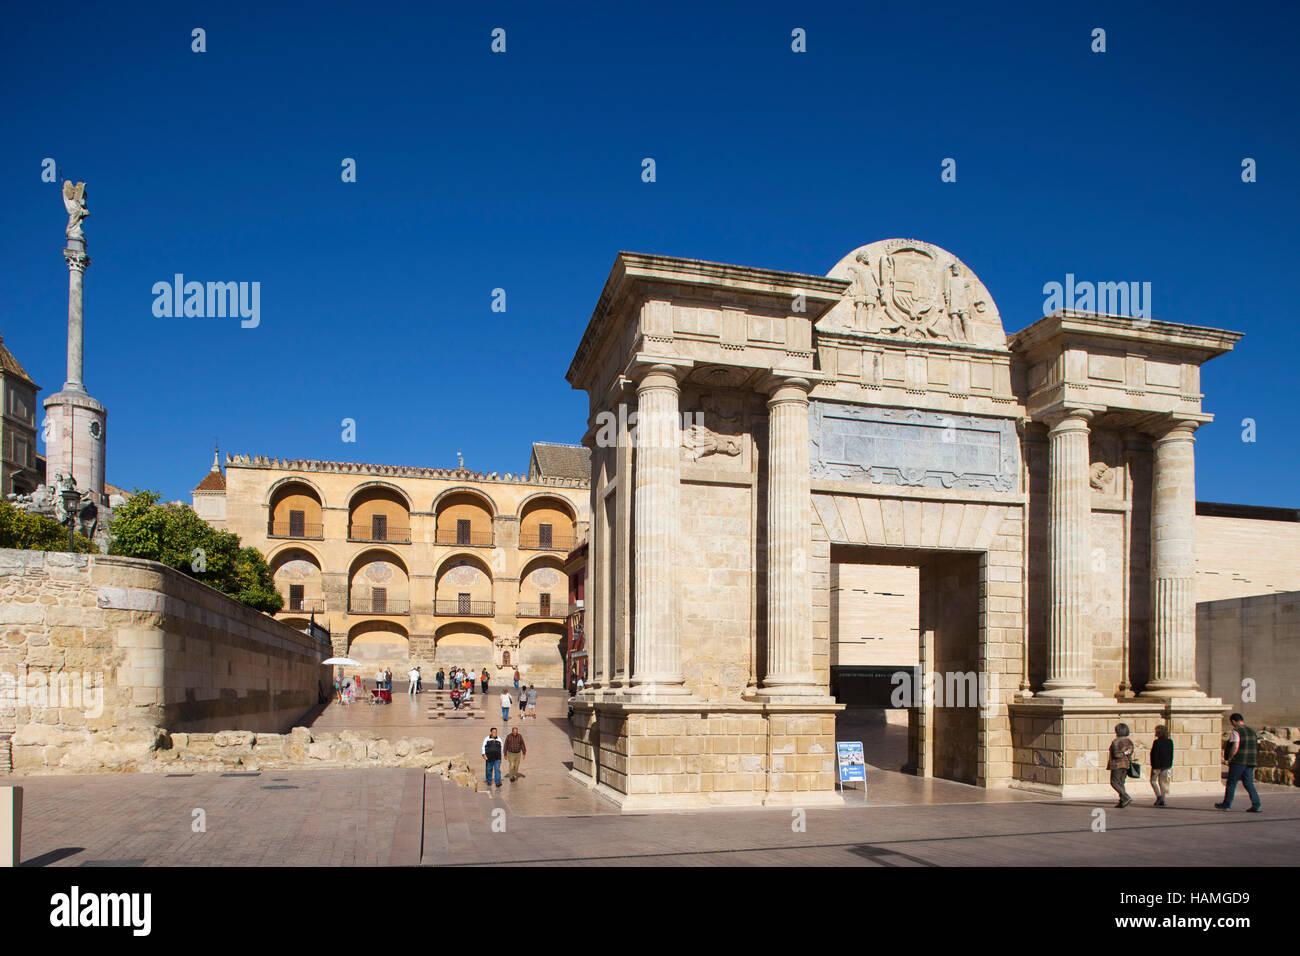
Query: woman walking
x: 1121, y: 758
x: 1162, y: 761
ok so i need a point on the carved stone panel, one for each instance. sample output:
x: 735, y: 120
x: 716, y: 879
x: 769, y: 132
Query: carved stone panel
x: 915, y: 291
x: 909, y: 447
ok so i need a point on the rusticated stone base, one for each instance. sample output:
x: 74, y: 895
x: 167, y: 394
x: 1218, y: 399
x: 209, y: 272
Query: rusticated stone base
x: 1060, y: 746
x: 701, y: 755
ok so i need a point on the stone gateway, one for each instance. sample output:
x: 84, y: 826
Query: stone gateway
x: 1042, y: 483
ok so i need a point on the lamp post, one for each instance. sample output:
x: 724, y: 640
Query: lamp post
x: 71, y: 498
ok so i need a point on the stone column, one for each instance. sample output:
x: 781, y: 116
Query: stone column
x: 1069, y: 650
x: 77, y: 260
x: 656, y: 653
x: 1173, y: 564
x: 789, y: 544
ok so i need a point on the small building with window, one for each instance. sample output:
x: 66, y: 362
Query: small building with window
x: 18, y: 465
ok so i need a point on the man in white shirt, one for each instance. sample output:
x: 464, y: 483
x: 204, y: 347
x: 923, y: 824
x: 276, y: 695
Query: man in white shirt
x: 413, y: 675
x: 505, y: 706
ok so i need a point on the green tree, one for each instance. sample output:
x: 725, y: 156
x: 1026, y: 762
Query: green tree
x: 176, y: 536
x: 30, y: 532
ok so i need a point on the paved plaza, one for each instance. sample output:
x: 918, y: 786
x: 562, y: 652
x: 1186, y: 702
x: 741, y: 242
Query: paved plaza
x: 405, y: 818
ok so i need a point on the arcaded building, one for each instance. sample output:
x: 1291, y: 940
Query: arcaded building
x: 409, y: 565
x: 790, y: 428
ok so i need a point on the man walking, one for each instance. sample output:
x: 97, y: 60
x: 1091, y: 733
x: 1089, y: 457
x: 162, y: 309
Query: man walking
x: 505, y: 706
x: 516, y: 750
x: 483, y: 681
x: 492, y: 756
x: 532, y: 701
x: 1241, y: 752
x: 413, y: 675
x: 440, y: 677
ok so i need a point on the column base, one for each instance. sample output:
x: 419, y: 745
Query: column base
x: 1059, y: 691
x: 797, y: 693
x: 649, y: 691
x: 1172, y: 692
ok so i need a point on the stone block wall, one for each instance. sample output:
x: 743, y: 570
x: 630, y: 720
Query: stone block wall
x: 1243, y: 557
x: 707, y: 757
x: 1065, y: 751
x: 1255, y: 639
x: 98, y: 653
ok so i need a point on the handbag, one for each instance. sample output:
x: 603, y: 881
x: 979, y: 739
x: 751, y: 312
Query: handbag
x: 1134, y: 770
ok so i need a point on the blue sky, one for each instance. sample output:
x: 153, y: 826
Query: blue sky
x: 522, y: 171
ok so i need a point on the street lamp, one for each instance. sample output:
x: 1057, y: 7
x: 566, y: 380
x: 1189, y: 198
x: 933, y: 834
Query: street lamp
x: 71, y: 498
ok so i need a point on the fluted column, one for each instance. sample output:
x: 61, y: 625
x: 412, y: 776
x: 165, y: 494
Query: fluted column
x: 789, y: 544
x: 77, y: 260
x: 1069, y: 639
x: 656, y: 656
x: 1173, y: 564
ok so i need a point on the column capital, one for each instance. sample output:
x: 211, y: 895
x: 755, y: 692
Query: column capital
x: 1174, y: 428
x: 647, y: 364
x: 789, y: 384
x: 76, y: 259
x: 1069, y: 416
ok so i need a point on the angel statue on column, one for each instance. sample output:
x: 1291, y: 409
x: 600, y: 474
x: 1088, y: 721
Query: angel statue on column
x: 74, y: 200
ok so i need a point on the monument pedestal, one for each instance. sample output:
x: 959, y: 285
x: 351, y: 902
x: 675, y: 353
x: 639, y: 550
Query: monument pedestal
x: 76, y: 433
x: 1060, y: 745
x: 698, y: 755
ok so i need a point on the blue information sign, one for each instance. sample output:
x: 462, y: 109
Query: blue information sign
x: 853, y: 766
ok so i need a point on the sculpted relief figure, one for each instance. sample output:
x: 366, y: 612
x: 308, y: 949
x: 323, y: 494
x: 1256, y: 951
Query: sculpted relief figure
x: 866, y: 293
x: 912, y: 290
x: 957, y: 299
x: 699, y: 441
x: 74, y: 201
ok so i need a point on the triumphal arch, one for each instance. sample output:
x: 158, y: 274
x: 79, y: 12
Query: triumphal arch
x: 750, y: 429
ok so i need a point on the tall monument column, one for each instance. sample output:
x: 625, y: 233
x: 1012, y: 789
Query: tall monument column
x: 789, y: 544
x: 656, y: 653
x: 1069, y: 652
x: 77, y: 260
x: 75, y: 424
x: 1173, y: 564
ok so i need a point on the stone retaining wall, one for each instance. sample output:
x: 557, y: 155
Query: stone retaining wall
x: 1277, y: 755
x: 97, y: 653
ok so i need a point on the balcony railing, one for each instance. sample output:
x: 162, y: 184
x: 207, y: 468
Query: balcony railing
x: 456, y: 608
x: 288, y: 529
x: 304, y: 606
x: 547, y: 542
x: 371, y: 606
x: 475, y: 539
x: 543, y: 610
x: 363, y: 532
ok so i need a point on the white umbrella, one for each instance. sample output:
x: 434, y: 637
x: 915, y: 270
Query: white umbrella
x: 342, y: 662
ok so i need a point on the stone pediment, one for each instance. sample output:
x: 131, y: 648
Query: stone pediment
x: 912, y: 292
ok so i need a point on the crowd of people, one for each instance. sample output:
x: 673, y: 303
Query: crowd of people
x: 459, y: 680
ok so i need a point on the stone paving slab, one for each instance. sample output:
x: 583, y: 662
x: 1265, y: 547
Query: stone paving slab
x: 328, y: 818
x: 1039, y: 833
x: 382, y: 817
